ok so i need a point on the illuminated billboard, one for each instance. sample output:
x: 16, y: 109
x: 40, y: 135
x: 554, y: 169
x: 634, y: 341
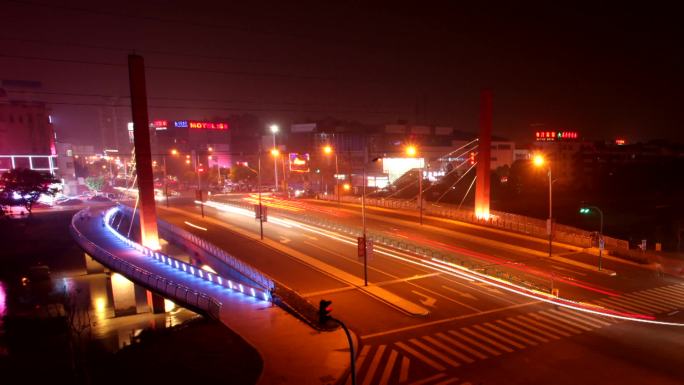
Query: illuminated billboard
x: 396, y: 167
x: 299, y: 162
x: 159, y: 124
x: 552, y: 136
x: 207, y: 125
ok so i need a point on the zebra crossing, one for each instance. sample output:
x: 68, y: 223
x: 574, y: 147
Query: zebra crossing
x: 454, y: 348
x: 394, y: 362
x: 653, y: 301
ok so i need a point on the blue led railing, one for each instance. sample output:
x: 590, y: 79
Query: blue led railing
x: 165, y: 259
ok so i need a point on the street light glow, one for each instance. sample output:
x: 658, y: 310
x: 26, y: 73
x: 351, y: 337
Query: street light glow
x: 327, y: 150
x: 275, y: 152
x: 274, y: 128
x: 346, y: 186
x: 538, y: 160
x: 174, y: 151
x: 411, y: 151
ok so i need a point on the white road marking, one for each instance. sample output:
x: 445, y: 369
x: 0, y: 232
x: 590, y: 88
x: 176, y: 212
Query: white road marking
x: 453, y: 352
x: 404, y: 371
x: 475, y: 343
x: 460, y: 293
x: 501, y: 338
x: 487, y: 339
x: 435, y: 353
x: 388, y: 367
x: 195, y: 226
x: 374, y: 365
x: 420, y: 356
x: 461, y: 346
x: 425, y: 299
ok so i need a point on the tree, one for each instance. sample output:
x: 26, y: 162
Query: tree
x: 240, y: 173
x: 95, y: 183
x: 25, y: 186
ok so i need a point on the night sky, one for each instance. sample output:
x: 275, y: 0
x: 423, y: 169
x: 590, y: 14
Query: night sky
x: 605, y: 71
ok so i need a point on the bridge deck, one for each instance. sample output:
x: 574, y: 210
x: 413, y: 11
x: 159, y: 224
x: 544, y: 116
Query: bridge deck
x: 292, y: 351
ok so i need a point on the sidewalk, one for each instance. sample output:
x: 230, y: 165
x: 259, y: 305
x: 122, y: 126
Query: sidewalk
x: 292, y: 351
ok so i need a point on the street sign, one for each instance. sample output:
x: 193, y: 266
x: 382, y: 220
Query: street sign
x: 361, y: 248
x: 367, y: 247
x: 602, y: 244
x: 257, y: 212
x: 643, y: 245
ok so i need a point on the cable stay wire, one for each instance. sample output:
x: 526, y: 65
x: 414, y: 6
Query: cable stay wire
x: 455, y: 183
x: 444, y: 157
x: 468, y: 191
x: 416, y: 181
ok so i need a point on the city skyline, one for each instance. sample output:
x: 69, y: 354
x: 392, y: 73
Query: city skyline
x: 575, y: 68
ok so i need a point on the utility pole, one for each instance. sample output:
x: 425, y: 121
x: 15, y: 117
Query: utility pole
x: 363, y: 216
x: 166, y: 186
x: 261, y: 209
x: 550, y: 223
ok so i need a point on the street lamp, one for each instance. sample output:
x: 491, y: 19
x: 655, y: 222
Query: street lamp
x: 412, y: 151
x: 540, y: 161
x: 274, y: 129
x: 329, y: 150
x: 587, y: 210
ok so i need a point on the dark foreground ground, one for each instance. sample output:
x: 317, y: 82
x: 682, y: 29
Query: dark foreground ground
x: 42, y: 340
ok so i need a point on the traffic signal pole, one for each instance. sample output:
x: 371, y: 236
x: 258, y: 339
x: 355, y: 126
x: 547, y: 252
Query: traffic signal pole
x: 323, y: 316
x: 351, y: 349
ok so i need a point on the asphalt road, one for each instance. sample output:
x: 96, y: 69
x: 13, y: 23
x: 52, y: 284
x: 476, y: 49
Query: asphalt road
x: 474, y: 333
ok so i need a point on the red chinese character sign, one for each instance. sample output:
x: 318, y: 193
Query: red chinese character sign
x: 552, y: 136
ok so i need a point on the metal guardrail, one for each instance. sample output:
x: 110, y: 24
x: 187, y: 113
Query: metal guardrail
x: 189, y: 297
x: 519, y: 223
x: 405, y: 245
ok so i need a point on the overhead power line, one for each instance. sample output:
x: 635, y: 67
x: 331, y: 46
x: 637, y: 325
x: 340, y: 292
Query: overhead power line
x: 198, y: 100
x: 197, y: 70
x: 220, y: 108
x: 133, y: 49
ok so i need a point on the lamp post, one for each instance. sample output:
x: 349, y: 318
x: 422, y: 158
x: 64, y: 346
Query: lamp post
x: 329, y: 150
x: 539, y: 161
x: 412, y: 152
x: 261, y: 209
x: 587, y: 210
x: 274, y: 129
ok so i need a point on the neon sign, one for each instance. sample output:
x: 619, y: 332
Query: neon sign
x: 159, y: 124
x: 551, y: 136
x: 207, y: 125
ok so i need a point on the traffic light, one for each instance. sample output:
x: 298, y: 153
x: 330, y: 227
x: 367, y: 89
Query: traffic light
x: 584, y: 210
x: 324, y: 310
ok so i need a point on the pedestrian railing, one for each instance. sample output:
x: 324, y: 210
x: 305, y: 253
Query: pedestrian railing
x: 265, y: 287
x: 180, y: 293
x: 252, y: 274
